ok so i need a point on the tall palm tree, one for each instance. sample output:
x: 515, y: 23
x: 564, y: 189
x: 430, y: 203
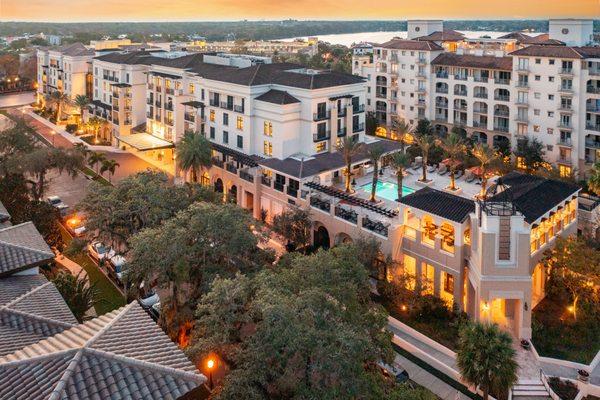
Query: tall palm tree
x: 349, y: 148
x: 425, y: 143
x: 400, y: 162
x: 193, y: 153
x: 58, y: 100
x: 486, y: 358
x: 594, y: 179
x: 403, y: 130
x: 375, y: 153
x: 485, y: 155
x: 454, y: 147
x: 96, y: 159
x: 109, y: 165
x: 81, y: 101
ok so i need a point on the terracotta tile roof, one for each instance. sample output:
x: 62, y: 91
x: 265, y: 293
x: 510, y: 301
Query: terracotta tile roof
x: 277, y: 97
x: 31, y: 309
x: 122, y: 354
x: 22, y: 247
x: 4, y: 216
x: 542, y: 39
x: 447, y: 35
x: 472, y: 61
x: 403, y: 44
x: 549, y: 51
x: 442, y: 204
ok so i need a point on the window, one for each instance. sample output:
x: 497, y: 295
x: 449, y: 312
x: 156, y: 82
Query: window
x: 320, y: 147
x: 447, y: 232
x: 211, y: 116
x: 212, y: 132
x: 427, y: 278
x: 538, y: 60
x: 537, y: 95
x: 240, y: 123
x: 564, y: 170
x: 536, y: 128
x: 447, y: 293
x: 551, y: 61
x: 550, y: 114
x: 550, y: 131
x: 410, y: 270
x: 429, y: 231
x: 240, y: 141
x: 550, y: 79
x: 267, y: 148
x: 225, y: 137
x: 536, y: 112
x: 538, y: 77
x: 191, y: 88
x: 550, y: 97
x: 225, y: 119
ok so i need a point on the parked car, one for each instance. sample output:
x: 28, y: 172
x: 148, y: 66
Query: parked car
x: 149, y: 298
x: 76, y: 225
x: 154, y: 311
x: 57, y: 203
x: 98, y: 251
x: 118, y: 263
x: 393, y: 372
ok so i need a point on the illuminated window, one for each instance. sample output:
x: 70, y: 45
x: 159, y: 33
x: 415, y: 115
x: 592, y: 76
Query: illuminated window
x: 429, y: 230
x: 267, y: 148
x: 211, y: 116
x: 565, y: 171
x: 447, y: 232
x: 268, y: 128
x: 240, y: 123
x: 191, y: 88
x: 447, y: 292
x: 467, y: 236
x: 321, y: 146
x: 520, y: 163
x: 410, y: 270
x: 427, y: 278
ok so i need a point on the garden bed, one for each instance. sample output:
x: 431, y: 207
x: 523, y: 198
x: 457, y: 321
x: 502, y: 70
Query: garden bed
x: 89, y: 139
x: 557, y: 335
x: 566, y: 390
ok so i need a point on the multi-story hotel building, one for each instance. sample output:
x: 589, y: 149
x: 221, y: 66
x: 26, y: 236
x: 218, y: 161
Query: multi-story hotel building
x: 497, y: 90
x: 64, y: 69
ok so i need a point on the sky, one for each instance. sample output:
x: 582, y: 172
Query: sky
x: 220, y: 10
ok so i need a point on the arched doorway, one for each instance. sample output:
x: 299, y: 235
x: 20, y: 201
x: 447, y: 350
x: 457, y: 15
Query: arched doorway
x: 232, y: 194
x: 219, y: 185
x: 321, y: 238
x: 342, y: 238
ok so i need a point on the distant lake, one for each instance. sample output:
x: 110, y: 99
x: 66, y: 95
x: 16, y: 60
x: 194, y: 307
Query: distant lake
x: 347, y: 39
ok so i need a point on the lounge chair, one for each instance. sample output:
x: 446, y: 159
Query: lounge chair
x: 458, y: 174
x: 442, y: 169
x: 469, y: 177
x: 432, y: 168
x: 416, y: 165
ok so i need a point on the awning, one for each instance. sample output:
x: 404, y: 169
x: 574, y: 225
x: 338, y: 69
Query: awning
x: 145, y: 141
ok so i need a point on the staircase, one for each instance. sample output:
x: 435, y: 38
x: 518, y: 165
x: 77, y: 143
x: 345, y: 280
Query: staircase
x: 529, y: 389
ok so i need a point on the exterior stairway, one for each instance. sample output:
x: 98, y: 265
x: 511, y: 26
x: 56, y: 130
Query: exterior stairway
x: 530, y: 389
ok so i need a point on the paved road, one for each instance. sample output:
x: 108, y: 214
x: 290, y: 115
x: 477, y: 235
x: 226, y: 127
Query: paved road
x: 17, y: 99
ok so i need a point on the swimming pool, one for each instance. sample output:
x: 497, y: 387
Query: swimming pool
x: 387, y: 190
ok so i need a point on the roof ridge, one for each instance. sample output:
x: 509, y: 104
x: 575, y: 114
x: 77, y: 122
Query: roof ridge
x: 122, y: 312
x: 60, y: 386
x: 40, y: 357
x: 66, y: 325
x: 21, y: 246
x: 199, y: 377
x: 21, y: 297
x: 254, y: 75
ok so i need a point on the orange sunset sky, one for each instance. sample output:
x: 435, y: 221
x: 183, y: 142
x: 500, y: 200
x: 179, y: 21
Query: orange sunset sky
x: 203, y: 10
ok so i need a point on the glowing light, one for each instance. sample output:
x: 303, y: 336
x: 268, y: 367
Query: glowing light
x: 73, y: 221
x: 571, y: 309
x: 486, y: 306
x: 404, y: 308
x: 210, y: 364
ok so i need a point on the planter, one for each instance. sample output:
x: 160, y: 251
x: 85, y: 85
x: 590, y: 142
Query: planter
x: 583, y: 375
x: 525, y: 344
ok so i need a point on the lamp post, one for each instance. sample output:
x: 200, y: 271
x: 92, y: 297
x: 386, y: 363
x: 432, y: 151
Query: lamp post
x: 210, y: 364
x: 52, y: 133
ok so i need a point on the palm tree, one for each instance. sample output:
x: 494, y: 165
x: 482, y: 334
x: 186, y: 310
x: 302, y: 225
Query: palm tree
x: 485, y: 155
x: 193, y: 153
x: 110, y: 166
x: 81, y: 101
x: 403, y: 130
x: 425, y: 143
x: 349, y: 148
x: 486, y: 358
x: 423, y: 128
x: 83, y: 149
x: 77, y: 292
x: 96, y: 159
x: 58, y: 100
x: 375, y: 153
x: 594, y: 179
x: 400, y: 161
x: 455, y: 148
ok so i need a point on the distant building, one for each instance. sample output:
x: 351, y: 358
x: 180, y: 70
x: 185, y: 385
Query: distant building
x: 54, y: 40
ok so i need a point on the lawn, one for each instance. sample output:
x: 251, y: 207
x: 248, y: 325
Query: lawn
x: 108, y: 297
x: 557, y: 335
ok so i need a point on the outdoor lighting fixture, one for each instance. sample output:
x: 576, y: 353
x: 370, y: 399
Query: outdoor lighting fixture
x: 210, y: 364
x: 571, y: 309
x: 486, y: 306
x: 73, y: 221
x: 404, y: 308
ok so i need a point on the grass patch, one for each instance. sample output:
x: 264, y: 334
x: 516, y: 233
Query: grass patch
x: 108, y: 297
x: 556, y: 334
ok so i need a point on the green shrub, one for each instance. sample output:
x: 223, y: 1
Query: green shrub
x: 71, y: 128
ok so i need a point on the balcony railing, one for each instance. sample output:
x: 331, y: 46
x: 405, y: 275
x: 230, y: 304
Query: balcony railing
x: 566, y: 142
x: 501, y: 128
x: 460, y: 77
x: 169, y: 106
x: 592, y: 108
x: 226, y: 105
x: 347, y: 215
x: 358, y: 109
x: 247, y: 176
x: 482, y: 79
x: 502, y: 81
x: 217, y: 162
x: 523, y: 84
x: 238, y: 109
x: 593, y: 71
x: 522, y: 118
x: 158, y: 103
x: 169, y: 122
x: 213, y: 102
x: 189, y: 117
x: 481, y: 95
x: 441, y: 89
x: 358, y: 128
x: 170, y: 91
x: 265, y: 180
x: 500, y: 97
x: 480, y: 124
x: 115, y: 107
x: 501, y: 113
x: 231, y: 168
x: 149, y: 101
x: 594, y: 144
x: 342, y: 132
x: 441, y: 104
x: 566, y: 71
x: 441, y: 75
x: 565, y: 89
x: 565, y: 107
x: 593, y: 89
x: 460, y: 92
x: 341, y: 112
x: 323, y: 205
x: 321, y: 116
x: 421, y: 61
x: 479, y: 110
x: 317, y: 137
x: 565, y: 125
x: 592, y: 127
x: 375, y: 226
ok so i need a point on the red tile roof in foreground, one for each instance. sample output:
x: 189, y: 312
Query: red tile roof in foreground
x: 558, y: 51
x: 403, y: 44
x: 472, y: 61
x: 447, y: 35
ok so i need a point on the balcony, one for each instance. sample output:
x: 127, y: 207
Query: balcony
x: 441, y: 104
x: 480, y: 124
x: 159, y: 89
x: 565, y: 71
x: 226, y: 105
x: 238, y: 109
x: 318, y: 137
x: 566, y: 108
x: 441, y: 118
x: 357, y: 109
x: 594, y: 72
x: 590, y: 126
x: 115, y: 94
x: 150, y: 86
x: 523, y: 85
x: 565, y: 89
x: 347, y: 215
x: 381, y: 95
x: 594, y: 144
x: 501, y: 128
x: 565, y: 142
x: 522, y: 118
x: 158, y: 103
x: 341, y: 112
x: 217, y: 162
x: 522, y: 102
x: 231, y: 168
x: 421, y: 61
x: 127, y: 121
x: 321, y: 116
x: 500, y: 97
x: 149, y: 101
x: 265, y: 180
x: 593, y: 108
x: 441, y: 89
x: 564, y: 160
x: 501, y: 113
x: 593, y: 89
x: 479, y: 110
x: 482, y: 79
x: 115, y: 107
x: 358, y: 128
x: 420, y: 90
x: 460, y: 77
x: 170, y: 91
x: 460, y: 92
x: 320, y: 204
x: 213, y: 102
x: 247, y: 176
x: 149, y: 114
x: 480, y: 95
x: 502, y: 81
x: 191, y: 117
x: 342, y: 132
x: 441, y: 75
x: 421, y: 103
x: 565, y: 125
x: 169, y: 106
x: 375, y: 226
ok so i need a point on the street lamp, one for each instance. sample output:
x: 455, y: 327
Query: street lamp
x: 210, y: 364
x: 52, y: 133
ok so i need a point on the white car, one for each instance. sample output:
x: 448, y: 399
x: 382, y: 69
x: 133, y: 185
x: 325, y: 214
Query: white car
x: 149, y: 298
x: 98, y: 251
x: 57, y: 203
x: 118, y: 263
